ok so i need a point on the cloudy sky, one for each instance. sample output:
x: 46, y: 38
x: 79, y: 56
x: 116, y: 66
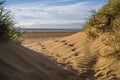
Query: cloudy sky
x: 52, y: 13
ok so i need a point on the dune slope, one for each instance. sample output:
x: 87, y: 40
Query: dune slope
x: 94, y: 53
x: 89, y: 59
x: 73, y: 53
x: 20, y: 63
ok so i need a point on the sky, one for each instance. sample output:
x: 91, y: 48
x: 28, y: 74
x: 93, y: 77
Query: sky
x: 60, y: 14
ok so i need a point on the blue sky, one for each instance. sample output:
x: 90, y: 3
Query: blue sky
x: 52, y: 13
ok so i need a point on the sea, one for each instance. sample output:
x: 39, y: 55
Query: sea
x: 48, y: 30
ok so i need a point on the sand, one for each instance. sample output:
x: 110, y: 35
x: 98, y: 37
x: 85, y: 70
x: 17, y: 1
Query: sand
x: 43, y: 36
x: 33, y: 40
x: 71, y: 53
x: 83, y: 56
x: 92, y: 54
x: 75, y: 57
x: 20, y: 63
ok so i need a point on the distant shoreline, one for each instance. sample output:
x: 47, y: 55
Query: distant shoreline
x: 48, y: 30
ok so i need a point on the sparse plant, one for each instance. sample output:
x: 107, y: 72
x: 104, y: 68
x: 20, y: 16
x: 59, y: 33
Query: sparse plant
x: 7, y: 30
x: 103, y: 21
x: 106, y: 23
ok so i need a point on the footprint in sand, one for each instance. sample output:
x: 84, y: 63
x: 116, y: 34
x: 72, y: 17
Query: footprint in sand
x: 71, y: 44
x: 73, y: 49
x: 57, y: 40
x: 76, y: 54
x: 63, y: 40
x: 65, y: 43
x: 43, y: 47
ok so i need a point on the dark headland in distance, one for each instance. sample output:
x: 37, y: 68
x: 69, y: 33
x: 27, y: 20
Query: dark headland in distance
x: 48, y: 30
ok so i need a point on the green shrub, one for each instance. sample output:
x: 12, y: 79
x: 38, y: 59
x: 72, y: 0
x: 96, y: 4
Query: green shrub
x: 7, y: 30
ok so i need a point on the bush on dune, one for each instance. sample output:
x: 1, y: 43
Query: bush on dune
x: 7, y: 30
x: 106, y: 22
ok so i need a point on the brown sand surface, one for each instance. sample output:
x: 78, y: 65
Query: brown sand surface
x: 43, y: 36
x: 83, y: 56
x: 94, y: 53
x: 71, y: 53
x: 33, y: 40
x: 20, y: 63
x: 90, y: 59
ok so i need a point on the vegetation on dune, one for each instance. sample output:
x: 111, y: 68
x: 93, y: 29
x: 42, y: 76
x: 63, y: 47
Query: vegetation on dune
x: 106, y: 22
x: 7, y: 30
x: 104, y: 27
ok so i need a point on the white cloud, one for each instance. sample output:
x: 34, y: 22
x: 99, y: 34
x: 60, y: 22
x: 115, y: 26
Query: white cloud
x: 43, y: 16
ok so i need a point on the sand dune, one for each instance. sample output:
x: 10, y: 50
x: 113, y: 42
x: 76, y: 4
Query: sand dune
x: 85, y: 57
x: 33, y: 40
x: 20, y: 63
x: 92, y: 54
x: 73, y: 53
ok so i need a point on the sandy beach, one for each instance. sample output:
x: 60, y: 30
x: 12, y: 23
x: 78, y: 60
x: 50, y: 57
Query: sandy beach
x: 33, y: 40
